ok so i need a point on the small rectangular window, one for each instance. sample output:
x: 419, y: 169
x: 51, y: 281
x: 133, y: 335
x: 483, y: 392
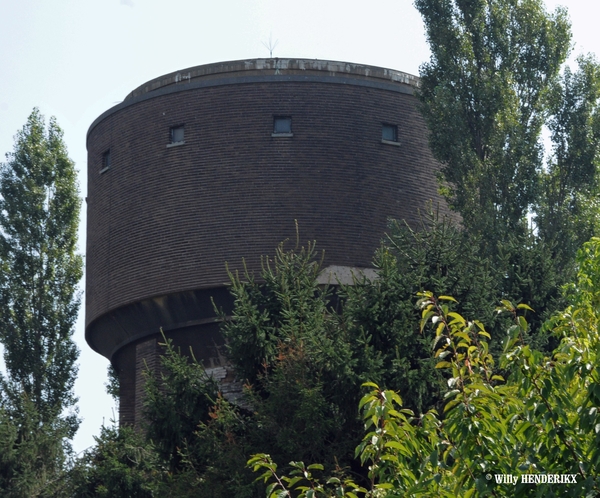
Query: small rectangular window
x: 389, y: 133
x: 177, y: 134
x: 282, y: 126
x: 105, y: 161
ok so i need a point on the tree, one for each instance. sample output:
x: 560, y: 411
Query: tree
x: 483, y: 96
x: 178, y: 398
x: 39, y: 215
x: 285, y: 339
x: 200, y: 439
x: 568, y: 210
x: 121, y: 465
x: 31, y: 455
x: 492, y: 83
x: 496, y: 435
x: 382, y: 317
x: 304, y: 350
x: 514, y: 411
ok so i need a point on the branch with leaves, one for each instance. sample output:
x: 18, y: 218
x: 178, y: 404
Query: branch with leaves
x: 540, y: 417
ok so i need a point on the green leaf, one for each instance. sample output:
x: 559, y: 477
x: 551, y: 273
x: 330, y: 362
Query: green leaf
x: 524, y: 307
x: 522, y: 323
x: 447, y: 298
x: 457, y: 318
x: 370, y: 384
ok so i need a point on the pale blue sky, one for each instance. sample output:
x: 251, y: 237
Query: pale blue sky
x: 74, y: 59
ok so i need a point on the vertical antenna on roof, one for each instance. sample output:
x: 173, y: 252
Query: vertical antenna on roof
x: 270, y: 46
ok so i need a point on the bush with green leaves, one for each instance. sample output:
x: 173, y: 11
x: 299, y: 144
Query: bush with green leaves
x: 541, y: 419
x: 178, y: 397
x: 33, y: 456
x: 193, y: 443
x: 291, y: 338
x: 200, y: 439
x: 304, y: 362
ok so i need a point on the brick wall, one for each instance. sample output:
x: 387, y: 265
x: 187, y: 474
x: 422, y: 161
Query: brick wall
x: 165, y: 219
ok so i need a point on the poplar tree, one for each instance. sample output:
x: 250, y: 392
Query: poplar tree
x: 493, y: 81
x: 567, y: 212
x: 39, y: 302
x: 483, y: 95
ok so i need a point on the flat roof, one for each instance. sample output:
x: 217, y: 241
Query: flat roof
x: 275, y: 70
x: 274, y: 66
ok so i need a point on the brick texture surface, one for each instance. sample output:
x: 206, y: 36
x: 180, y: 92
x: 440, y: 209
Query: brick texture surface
x: 166, y: 219
x: 163, y: 221
x: 147, y: 362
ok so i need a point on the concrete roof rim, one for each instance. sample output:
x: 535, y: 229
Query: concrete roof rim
x: 273, y: 63
x: 398, y: 87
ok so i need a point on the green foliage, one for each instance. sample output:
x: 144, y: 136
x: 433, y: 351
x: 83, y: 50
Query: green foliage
x: 112, y: 385
x: 121, y: 465
x: 39, y: 215
x: 568, y: 209
x: 286, y: 337
x: 528, y: 413
x: 200, y: 439
x: 32, y: 457
x: 527, y: 271
x: 225, y: 442
x: 177, y: 399
x: 286, y: 312
x: 286, y: 340
x: 301, y: 479
x: 382, y: 317
x: 541, y: 418
x: 194, y: 444
x: 276, y: 317
x: 492, y: 83
x: 483, y: 96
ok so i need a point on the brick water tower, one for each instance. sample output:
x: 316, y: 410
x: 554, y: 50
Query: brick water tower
x: 215, y: 163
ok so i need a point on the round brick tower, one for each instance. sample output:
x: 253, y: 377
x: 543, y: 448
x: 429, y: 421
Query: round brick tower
x: 215, y: 163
